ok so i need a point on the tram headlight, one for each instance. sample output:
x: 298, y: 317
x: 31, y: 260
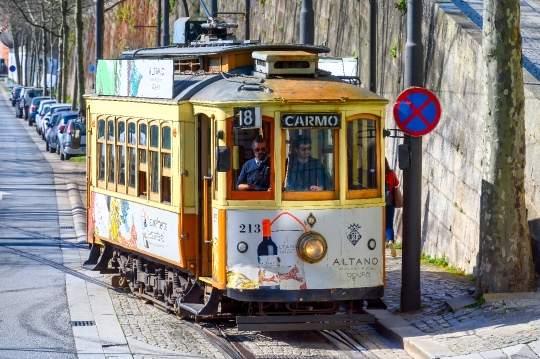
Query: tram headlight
x: 311, y: 247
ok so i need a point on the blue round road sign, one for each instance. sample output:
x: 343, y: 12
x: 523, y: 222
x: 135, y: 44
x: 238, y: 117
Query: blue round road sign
x: 417, y: 111
x: 12, y: 68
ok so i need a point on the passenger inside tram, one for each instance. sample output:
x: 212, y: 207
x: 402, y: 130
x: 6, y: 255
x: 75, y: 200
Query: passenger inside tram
x: 304, y: 171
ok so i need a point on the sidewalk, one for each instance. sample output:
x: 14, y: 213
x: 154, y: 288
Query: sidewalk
x: 506, y: 326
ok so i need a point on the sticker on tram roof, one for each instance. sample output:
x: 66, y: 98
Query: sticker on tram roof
x: 135, y: 78
x: 310, y: 120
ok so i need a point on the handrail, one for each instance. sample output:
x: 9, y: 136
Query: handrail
x: 182, y: 214
x: 205, y: 208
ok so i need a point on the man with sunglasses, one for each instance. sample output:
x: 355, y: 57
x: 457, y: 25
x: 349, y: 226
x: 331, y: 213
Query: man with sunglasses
x: 305, y: 173
x: 255, y: 174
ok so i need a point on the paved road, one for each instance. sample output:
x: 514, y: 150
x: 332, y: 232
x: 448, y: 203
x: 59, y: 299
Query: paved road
x: 34, y: 314
x: 119, y: 324
x: 530, y: 29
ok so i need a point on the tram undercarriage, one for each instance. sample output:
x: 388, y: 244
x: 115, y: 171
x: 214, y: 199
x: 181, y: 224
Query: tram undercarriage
x: 178, y: 292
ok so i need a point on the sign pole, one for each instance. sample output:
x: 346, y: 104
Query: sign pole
x: 412, y: 177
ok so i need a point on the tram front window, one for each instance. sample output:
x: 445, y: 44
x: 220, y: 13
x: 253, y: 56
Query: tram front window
x: 310, y: 162
x: 245, y: 151
x: 362, y: 154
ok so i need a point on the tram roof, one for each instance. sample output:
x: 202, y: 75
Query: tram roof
x: 214, y: 49
x: 288, y: 89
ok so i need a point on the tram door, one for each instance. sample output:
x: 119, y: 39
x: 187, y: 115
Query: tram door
x: 205, y: 194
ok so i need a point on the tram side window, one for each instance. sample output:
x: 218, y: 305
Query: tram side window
x: 154, y: 161
x: 132, y: 156
x: 243, y: 152
x: 166, y: 164
x: 101, y: 150
x: 310, y: 164
x: 110, y: 151
x: 121, y: 144
x: 362, y: 154
x: 142, y: 160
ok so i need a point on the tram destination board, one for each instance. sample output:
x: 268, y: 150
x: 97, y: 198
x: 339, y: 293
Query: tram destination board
x: 417, y: 111
x: 311, y: 120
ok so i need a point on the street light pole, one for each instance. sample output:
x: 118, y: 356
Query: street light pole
x: 412, y: 177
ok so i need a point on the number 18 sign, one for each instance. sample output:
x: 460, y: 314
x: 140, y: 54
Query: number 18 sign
x: 246, y: 117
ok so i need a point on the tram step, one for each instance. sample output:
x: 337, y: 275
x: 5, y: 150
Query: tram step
x: 191, y: 307
x: 302, y: 322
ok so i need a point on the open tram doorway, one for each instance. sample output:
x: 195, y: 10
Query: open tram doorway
x: 205, y: 194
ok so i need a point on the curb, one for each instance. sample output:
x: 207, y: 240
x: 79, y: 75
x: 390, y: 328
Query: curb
x: 415, y: 342
x: 78, y: 211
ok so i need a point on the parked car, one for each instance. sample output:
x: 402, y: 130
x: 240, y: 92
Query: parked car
x: 56, y: 126
x: 14, y: 94
x: 42, y: 109
x: 29, y: 94
x: 32, y: 110
x: 66, y: 151
x: 59, y: 107
x: 19, y: 105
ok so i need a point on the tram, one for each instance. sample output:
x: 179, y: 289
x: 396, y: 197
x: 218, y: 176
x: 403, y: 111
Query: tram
x: 178, y: 203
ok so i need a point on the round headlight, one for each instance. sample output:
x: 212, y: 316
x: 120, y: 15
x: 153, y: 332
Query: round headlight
x: 311, y: 247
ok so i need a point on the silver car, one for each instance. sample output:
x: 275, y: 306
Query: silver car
x: 55, y: 108
x: 57, y: 126
x: 66, y: 152
x: 41, y: 111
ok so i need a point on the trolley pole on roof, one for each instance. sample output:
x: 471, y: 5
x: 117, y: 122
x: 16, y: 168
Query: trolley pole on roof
x: 307, y: 19
x: 412, y: 177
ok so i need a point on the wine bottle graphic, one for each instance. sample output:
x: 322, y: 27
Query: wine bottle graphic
x: 267, y: 247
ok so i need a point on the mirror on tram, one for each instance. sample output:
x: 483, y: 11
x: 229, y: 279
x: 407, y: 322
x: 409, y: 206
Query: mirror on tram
x: 223, y: 159
x: 76, y: 138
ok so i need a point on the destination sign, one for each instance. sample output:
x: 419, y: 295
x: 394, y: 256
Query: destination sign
x: 295, y: 120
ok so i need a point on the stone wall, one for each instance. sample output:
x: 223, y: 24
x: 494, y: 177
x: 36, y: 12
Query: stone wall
x: 453, y: 153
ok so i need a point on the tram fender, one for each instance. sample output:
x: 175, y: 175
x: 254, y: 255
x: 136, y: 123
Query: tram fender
x: 98, y: 260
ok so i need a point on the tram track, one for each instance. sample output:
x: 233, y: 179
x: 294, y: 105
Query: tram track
x: 345, y: 341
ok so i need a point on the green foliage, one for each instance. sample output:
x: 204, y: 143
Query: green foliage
x: 398, y: 245
x: 280, y: 28
x: 401, y: 5
x: 393, y: 50
x: 172, y: 4
x: 125, y: 15
x: 77, y: 159
x: 353, y: 54
x: 443, y: 263
x: 263, y: 32
x: 263, y: 2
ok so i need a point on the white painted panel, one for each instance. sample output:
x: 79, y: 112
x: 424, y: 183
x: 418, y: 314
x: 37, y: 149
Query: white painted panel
x: 147, y: 229
x: 349, y: 263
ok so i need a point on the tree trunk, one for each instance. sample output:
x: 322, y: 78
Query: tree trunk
x: 27, y: 80
x: 80, y: 56
x: 505, y: 259
x: 16, y: 50
x: 44, y: 49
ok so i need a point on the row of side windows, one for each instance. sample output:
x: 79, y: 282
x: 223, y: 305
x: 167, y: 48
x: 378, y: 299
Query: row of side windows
x: 129, y: 163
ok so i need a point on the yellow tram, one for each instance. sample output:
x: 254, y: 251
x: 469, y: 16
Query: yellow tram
x: 171, y: 134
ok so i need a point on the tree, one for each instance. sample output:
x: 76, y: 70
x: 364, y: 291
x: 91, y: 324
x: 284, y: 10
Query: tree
x: 505, y: 258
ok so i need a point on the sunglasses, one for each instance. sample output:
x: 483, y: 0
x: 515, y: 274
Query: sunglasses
x: 259, y: 149
x: 305, y: 148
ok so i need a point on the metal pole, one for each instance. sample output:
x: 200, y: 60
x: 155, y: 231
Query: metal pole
x: 307, y: 19
x: 373, y: 45
x: 248, y: 7
x: 159, y: 23
x: 213, y: 8
x: 412, y: 178
x: 99, y: 30
x: 165, y: 37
